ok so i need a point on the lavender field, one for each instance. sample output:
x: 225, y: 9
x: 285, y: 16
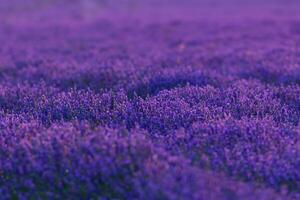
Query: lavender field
x: 149, y: 100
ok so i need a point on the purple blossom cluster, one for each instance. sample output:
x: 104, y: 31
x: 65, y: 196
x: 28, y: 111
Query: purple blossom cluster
x: 150, y: 100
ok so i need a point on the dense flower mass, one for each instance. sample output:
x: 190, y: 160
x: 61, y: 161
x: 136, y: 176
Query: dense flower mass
x: 175, y: 100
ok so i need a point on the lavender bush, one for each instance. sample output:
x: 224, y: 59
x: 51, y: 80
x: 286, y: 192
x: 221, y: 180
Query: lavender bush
x: 149, y: 100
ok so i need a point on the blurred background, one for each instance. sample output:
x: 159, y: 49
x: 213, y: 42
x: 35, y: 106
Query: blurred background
x: 20, y: 11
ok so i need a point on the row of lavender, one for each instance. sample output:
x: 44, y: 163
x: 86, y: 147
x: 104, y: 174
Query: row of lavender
x: 75, y: 161
x: 148, y: 56
x: 119, y: 107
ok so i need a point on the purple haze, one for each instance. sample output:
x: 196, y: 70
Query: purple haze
x: 196, y: 100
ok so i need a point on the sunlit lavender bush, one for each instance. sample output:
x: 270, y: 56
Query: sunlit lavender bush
x: 175, y: 100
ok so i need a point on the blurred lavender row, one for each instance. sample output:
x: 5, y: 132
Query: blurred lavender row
x: 149, y: 99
